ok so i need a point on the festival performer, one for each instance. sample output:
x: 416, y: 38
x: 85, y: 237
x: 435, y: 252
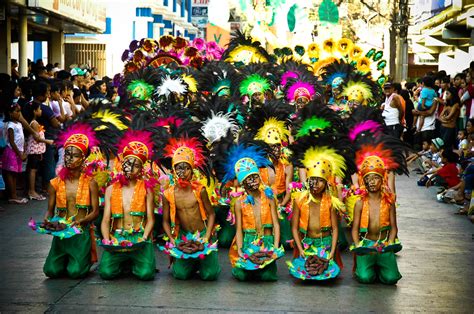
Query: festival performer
x: 128, y: 213
x: 315, y: 224
x: 257, y: 227
x: 187, y: 210
x: 73, y: 195
x: 267, y: 123
x: 374, y: 226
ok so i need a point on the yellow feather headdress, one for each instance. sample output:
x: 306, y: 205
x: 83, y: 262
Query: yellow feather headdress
x: 273, y: 131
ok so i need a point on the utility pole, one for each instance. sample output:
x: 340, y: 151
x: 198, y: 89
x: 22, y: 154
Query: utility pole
x: 401, y: 19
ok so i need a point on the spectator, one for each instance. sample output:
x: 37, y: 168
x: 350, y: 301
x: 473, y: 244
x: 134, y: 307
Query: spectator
x: 448, y: 118
x: 56, y: 103
x: 15, y: 74
x: 98, y: 90
x: 51, y: 124
x: 35, y: 150
x: 425, y: 102
x: 392, y: 111
x: 448, y: 175
x: 14, y: 154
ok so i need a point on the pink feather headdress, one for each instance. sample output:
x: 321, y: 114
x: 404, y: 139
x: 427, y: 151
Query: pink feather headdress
x: 79, y: 135
x: 288, y: 75
x: 368, y: 125
x: 300, y: 89
x: 168, y: 121
x: 187, y: 150
x: 136, y: 143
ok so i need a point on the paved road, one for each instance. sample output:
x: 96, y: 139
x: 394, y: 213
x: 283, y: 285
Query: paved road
x: 437, y: 264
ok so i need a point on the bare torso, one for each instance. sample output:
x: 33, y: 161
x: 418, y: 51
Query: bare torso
x: 314, y: 222
x: 71, y: 193
x: 127, y: 222
x: 187, y: 210
x: 374, y: 221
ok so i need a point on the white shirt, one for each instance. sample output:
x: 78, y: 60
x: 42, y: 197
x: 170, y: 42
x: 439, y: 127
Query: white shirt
x: 18, y: 136
x: 391, y: 115
x: 429, y: 123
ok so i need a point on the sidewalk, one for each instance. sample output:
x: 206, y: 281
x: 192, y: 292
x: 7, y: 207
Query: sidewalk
x: 437, y: 264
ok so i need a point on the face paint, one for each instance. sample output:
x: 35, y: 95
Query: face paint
x: 73, y: 157
x: 276, y: 151
x: 316, y: 185
x: 373, y: 182
x: 183, y: 171
x: 252, y: 182
x: 131, y: 168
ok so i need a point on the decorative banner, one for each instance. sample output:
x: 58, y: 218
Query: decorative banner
x: 328, y: 12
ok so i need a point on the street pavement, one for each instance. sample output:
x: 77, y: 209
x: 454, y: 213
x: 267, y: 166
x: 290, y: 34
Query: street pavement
x: 437, y: 264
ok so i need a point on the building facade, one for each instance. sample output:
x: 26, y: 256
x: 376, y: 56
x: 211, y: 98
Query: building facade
x: 442, y: 35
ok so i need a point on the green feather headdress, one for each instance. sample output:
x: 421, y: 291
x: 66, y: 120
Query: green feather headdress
x: 311, y: 125
x: 140, y: 89
x: 254, y: 84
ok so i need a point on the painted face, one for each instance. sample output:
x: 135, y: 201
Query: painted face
x: 258, y: 96
x: 252, y: 182
x: 73, y: 157
x: 131, y: 167
x: 373, y: 182
x: 316, y: 185
x: 276, y: 151
x: 183, y: 171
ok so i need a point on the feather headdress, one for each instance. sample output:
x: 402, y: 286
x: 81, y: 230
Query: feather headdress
x: 242, y: 50
x: 327, y: 156
x: 79, y: 135
x: 137, y: 144
x: 188, y: 150
x: 242, y: 161
x: 316, y: 118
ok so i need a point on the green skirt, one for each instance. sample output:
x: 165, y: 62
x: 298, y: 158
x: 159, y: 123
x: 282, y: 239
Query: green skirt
x: 268, y: 273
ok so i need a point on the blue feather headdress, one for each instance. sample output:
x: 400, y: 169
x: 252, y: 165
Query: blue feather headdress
x: 243, y: 161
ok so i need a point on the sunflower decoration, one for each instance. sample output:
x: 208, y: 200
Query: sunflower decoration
x: 355, y: 54
x: 329, y: 46
x: 344, y: 46
x: 363, y: 65
x: 313, y: 52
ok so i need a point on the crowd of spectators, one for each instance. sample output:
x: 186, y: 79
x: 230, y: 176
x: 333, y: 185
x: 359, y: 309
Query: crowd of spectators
x: 437, y: 120
x: 34, y: 109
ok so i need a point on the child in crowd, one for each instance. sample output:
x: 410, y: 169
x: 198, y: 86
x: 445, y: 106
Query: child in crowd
x: 448, y: 175
x: 463, y: 143
x: 35, y: 150
x: 422, y: 156
x: 14, y: 153
x: 426, y: 100
x: 435, y: 163
x: 77, y: 99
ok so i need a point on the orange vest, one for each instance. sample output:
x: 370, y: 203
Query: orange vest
x: 138, y: 204
x: 248, y: 221
x: 248, y: 218
x: 302, y: 201
x: 169, y: 195
x: 279, y: 186
x: 83, y: 199
x: 385, y: 204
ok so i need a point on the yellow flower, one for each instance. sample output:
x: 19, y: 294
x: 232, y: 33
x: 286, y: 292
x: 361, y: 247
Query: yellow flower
x: 345, y: 45
x: 329, y: 45
x: 313, y: 50
x: 363, y: 65
x: 356, y: 53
